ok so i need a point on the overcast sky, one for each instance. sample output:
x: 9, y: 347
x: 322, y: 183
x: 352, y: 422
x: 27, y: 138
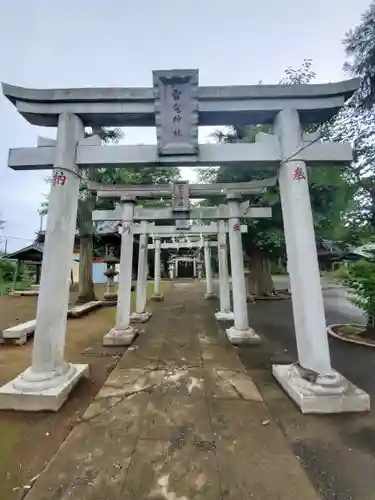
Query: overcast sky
x: 74, y: 43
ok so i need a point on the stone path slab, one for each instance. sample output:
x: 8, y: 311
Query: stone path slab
x: 179, y: 418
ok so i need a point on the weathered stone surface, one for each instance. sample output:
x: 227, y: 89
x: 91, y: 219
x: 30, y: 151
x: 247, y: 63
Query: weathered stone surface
x: 94, y: 469
x: 146, y: 358
x: 176, y: 355
x: 172, y: 417
x: 226, y: 384
x: 126, y: 382
x: 172, y: 471
x: 183, y: 381
x: 253, y: 456
x: 221, y: 357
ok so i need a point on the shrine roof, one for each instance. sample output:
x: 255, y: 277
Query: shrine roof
x: 31, y: 253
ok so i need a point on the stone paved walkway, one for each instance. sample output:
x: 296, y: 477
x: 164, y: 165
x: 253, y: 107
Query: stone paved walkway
x: 179, y: 419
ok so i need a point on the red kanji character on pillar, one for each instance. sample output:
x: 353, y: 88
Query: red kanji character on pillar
x: 298, y: 174
x: 236, y: 227
x: 59, y: 178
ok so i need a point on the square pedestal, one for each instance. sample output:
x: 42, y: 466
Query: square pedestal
x: 120, y: 337
x: 224, y: 316
x: 210, y: 296
x: 242, y: 337
x: 318, y: 398
x: 140, y: 317
x: 44, y: 400
x: 157, y: 298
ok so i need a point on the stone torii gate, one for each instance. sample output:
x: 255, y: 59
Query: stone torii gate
x: 177, y: 105
x: 241, y: 331
x: 182, y: 212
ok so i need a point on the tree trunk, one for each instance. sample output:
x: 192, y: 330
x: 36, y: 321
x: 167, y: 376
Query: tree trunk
x: 369, y: 332
x: 86, y: 291
x: 260, y: 282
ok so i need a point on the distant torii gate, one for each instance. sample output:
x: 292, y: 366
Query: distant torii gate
x: 177, y: 105
x: 182, y: 213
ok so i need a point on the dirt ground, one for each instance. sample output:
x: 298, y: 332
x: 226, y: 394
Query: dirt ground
x: 28, y: 441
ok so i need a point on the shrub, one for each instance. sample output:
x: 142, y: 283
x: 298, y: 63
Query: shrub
x: 360, y: 277
x: 7, y: 269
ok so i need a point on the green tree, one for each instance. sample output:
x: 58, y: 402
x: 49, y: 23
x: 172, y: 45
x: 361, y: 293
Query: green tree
x: 329, y: 190
x: 360, y: 277
x: 359, y: 45
x: 356, y: 124
x: 86, y: 203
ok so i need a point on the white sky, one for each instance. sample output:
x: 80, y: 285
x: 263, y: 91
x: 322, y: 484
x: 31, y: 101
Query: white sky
x: 74, y: 43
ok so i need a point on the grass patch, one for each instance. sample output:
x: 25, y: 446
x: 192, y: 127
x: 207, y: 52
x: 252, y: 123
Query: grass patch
x: 6, y: 287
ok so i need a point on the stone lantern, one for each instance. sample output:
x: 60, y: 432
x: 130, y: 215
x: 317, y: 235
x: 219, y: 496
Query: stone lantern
x: 171, y: 270
x: 111, y: 260
x: 200, y: 270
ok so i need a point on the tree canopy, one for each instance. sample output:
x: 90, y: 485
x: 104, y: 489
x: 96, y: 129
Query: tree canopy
x: 359, y: 45
x: 330, y: 190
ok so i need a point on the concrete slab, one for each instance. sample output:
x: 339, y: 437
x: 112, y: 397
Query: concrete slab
x: 122, y: 414
x: 253, y: 457
x: 170, y: 417
x: 45, y: 400
x: 316, y: 398
x: 25, y: 293
x: 172, y: 354
x: 18, y: 334
x: 173, y: 470
x: 183, y: 381
x: 127, y: 382
x: 226, y: 384
x: 205, y: 340
x: 146, y: 358
x: 89, y: 469
x: 82, y: 309
x: 221, y: 358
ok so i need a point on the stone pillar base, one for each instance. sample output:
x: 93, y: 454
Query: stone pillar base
x: 242, y: 337
x: 327, y: 394
x: 210, y: 296
x: 120, y: 337
x: 110, y: 296
x: 224, y: 316
x: 140, y: 317
x: 157, y: 298
x: 22, y: 396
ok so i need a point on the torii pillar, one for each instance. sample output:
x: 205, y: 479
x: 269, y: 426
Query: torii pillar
x: 141, y: 315
x: 225, y: 313
x: 48, y: 381
x: 157, y: 295
x: 123, y: 333
x: 240, y: 333
x: 208, y: 270
x: 311, y: 382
